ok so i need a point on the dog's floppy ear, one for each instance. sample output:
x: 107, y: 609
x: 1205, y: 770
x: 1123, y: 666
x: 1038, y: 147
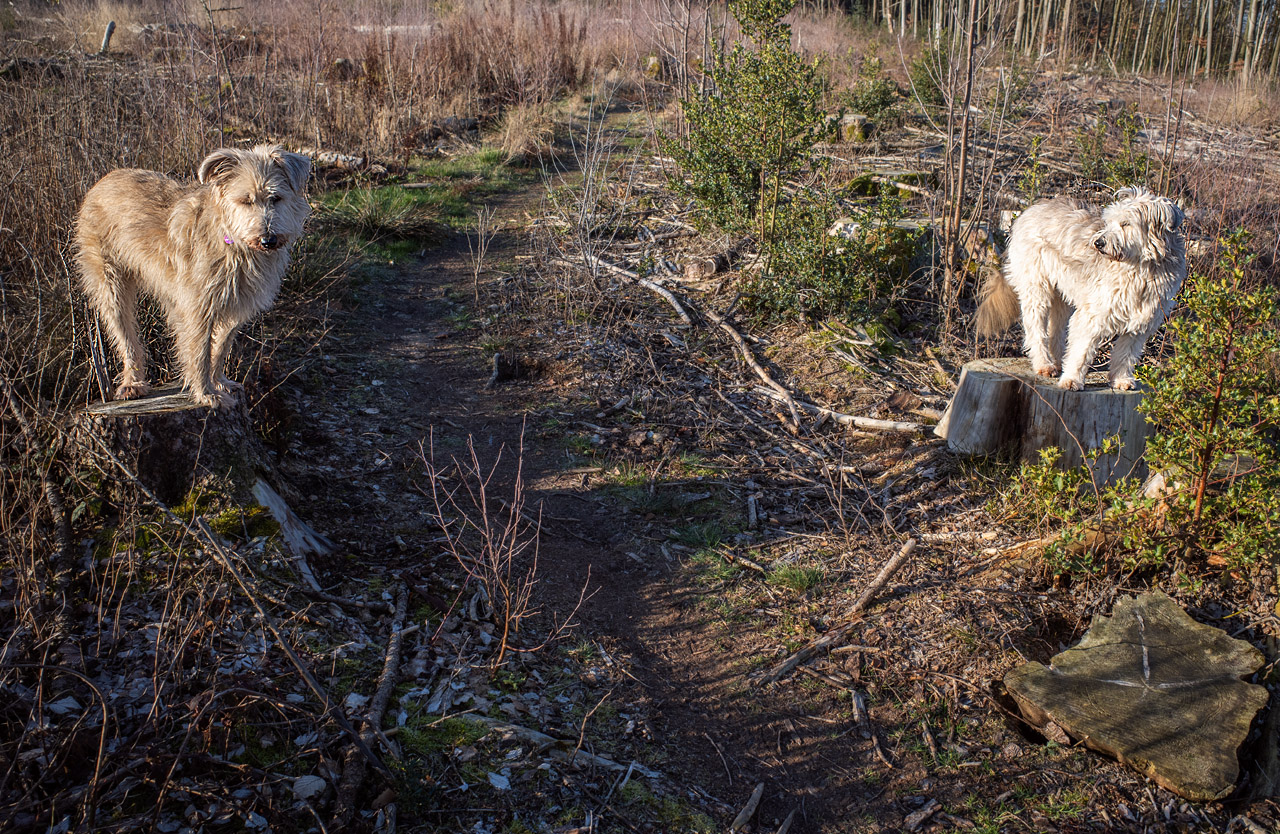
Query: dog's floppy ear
x: 1164, y: 218
x: 217, y: 165
x: 296, y: 166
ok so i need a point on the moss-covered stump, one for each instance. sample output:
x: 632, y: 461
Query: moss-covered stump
x: 175, y: 446
x: 1001, y: 405
x: 1156, y: 690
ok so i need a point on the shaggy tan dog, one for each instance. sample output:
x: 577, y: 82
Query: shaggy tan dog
x: 1113, y: 272
x: 211, y: 253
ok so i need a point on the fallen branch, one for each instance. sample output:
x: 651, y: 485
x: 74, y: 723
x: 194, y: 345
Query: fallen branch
x: 837, y: 634
x: 299, y: 536
x: 748, y: 810
x: 600, y: 263
x: 353, y: 766
x: 781, y: 391
x: 557, y: 748
x: 864, y: 423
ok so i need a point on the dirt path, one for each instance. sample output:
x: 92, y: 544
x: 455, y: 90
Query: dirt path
x: 404, y: 364
x: 664, y: 645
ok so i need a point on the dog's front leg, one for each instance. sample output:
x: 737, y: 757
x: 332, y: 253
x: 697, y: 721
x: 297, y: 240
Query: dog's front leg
x: 223, y: 333
x: 1083, y: 335
x: 195, y: 342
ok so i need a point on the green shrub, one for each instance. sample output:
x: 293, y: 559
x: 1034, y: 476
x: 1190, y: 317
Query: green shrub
x: 873, y: 95
x: 811, y: 274
x: 755, y: 124
x: 1215, y: 406
x: 1127, y: 163
x: 1033, y: 177
x: 929, y: 74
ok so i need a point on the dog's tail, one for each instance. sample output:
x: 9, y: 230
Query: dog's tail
x: 999, y: 308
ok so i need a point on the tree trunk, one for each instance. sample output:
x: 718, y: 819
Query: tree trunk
x: 1208, y: 44
x: 175, y: 446
x: 1001, y: 406
x: 1235, y: 35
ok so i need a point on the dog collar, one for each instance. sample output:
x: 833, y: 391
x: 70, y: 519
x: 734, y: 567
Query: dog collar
x: 227, y: 240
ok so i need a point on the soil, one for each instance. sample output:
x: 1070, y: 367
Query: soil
x: 674, y: 647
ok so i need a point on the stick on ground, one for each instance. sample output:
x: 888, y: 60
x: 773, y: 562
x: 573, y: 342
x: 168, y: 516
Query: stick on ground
x: 353, y: 769
x: 781, y: 390
x: 836, y: 635
x: 600, y: 263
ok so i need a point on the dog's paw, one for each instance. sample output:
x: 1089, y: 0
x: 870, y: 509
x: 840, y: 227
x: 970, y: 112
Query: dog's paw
x: 132, y: 390
x: 228, y: 386
x: 1068, y: 384
x: 213, y: 399
x: 1047, y: 370
x: 1124, y: 383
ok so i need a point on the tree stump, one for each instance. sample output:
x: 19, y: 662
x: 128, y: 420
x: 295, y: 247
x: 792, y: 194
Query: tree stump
x: 174, y: 445
x: 1156, y: 690
x: 1001, y: 405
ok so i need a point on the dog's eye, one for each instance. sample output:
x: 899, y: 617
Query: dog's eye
x: 275, y: 198
x: 1124, y: 225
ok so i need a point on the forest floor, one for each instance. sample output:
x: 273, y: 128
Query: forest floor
x: 685, y: 543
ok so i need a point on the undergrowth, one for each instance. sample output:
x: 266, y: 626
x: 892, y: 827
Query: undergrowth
x: 1214, y: 495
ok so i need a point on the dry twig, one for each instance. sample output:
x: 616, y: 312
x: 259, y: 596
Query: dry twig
x: 353, y: 769
x: 835, y: 635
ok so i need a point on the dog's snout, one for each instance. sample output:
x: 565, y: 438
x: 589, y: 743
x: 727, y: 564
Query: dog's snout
x: 269, y: 241
x: 1100, y: 244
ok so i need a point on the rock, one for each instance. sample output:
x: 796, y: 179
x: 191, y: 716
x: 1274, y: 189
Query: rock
x: 308, y: 787
x: 1156, y: 690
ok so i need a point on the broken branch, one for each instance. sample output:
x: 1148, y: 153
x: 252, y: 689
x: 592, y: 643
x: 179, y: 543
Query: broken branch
x: 836, y: 635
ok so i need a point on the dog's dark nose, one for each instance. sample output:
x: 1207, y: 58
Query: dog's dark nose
x: 269, y: 241
x: 1100, y: 244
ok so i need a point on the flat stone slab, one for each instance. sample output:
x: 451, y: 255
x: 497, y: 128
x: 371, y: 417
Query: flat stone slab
x: 1156, y: 690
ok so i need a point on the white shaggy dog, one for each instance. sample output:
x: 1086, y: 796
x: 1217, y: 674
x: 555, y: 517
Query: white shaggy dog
x: 1119, y: 268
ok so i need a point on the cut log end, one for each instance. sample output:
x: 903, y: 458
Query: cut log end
x: 165, y: 400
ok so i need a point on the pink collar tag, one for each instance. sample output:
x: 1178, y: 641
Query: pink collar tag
x: 227, y: 240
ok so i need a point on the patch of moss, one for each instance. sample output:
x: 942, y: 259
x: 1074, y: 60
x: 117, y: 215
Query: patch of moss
x: 434, y: 740
x: 244, y: 523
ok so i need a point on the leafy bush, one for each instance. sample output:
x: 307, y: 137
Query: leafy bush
x: 756, y: 123
x: 1215, y: 405
x: 1033, y: 177
x: 873, y: 95
x: 1128, y: 163
x: 811, y: 273
x: 929, y: 74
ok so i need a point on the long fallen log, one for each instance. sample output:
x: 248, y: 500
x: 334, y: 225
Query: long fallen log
x: 865, y: 423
